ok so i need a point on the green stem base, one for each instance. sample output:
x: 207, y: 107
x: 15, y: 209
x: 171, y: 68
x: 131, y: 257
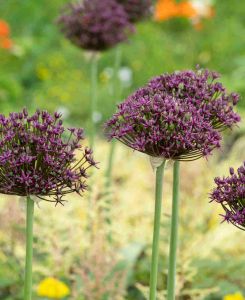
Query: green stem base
x: 116, y: 93
x: 156, y: 231
x: 29, y: 249
x: 94, y: 96
x: 174, y: 234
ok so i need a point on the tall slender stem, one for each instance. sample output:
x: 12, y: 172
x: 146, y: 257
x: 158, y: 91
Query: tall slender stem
x: 94, y: 96
x: 174, y: 234
x: 156, y: 231
x: 115, y: 95
x: 29, y: 249
x: 108, y: 175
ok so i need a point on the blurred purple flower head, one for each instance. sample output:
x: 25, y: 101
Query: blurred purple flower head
x: 95, y: 25
x: 137, y: 10
x: 175, y: 116
x: 35, y: 158
x: 230, y: 193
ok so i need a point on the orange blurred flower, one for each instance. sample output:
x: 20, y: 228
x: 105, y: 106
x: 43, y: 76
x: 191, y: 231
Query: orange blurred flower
x: 6, y: 43
x: 165, y: 9
x: 4, y: 29
x: 187, y: 10
x: 194, y: 10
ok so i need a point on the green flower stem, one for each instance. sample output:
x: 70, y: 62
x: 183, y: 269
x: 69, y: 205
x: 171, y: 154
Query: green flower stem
x: 108, y: 175
x: 156, y: 232
x: 115, y: 95
x: 94, y: 97
x: 174, y: 234
x: 29, y: 249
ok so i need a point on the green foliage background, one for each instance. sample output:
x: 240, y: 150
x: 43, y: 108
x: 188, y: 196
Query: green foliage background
x: 44, y: 70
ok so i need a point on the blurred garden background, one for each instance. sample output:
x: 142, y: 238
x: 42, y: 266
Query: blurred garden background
x: 40, y: 68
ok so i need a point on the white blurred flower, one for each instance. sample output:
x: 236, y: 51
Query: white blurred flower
x: 125, y: 75
x: 203, y: 7
x: 97, y: 116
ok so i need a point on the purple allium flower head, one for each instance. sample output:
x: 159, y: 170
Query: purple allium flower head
x: 95, y: 25
x: 201, y: 89
x: 163, y: 126
x: 35, y: 158
x: 175, y: 116
x: 230, y: 193
x: 137, y: 10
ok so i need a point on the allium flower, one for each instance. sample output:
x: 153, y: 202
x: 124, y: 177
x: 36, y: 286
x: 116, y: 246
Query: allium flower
x: 175, y: 116
x: 200, y: 88
x: 137, y: 9
x: 35, y: 159
x: 230, y: 193
x: 95, y: 25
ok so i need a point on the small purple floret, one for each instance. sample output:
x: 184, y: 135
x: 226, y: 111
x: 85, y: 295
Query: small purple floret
x: 230, y: 193
x: 36, y: 159
x: 95, y: 25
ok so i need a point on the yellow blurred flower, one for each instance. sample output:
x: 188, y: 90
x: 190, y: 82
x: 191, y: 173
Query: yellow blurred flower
x: 43, y: 73
x: 236, y: 296
x: 53, y: 288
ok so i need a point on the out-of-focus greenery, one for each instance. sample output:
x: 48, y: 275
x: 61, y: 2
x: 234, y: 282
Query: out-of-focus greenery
x: 46, y: 70
x: 43, y: 69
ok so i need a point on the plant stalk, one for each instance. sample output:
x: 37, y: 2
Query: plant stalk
x: 94, y: 97
x: 174, y: 234
x: 156, y: 231
x: 108, y: 175
x: 29, y: 249
x: 115, y: 95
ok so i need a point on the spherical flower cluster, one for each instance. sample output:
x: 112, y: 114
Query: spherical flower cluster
x: 230, y: 193
x: 162, y: 126
x: 137, y: 10
x: 201, y: 89
x: 175, y: 116
x: 36, y: 159
x: 95, y: 25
